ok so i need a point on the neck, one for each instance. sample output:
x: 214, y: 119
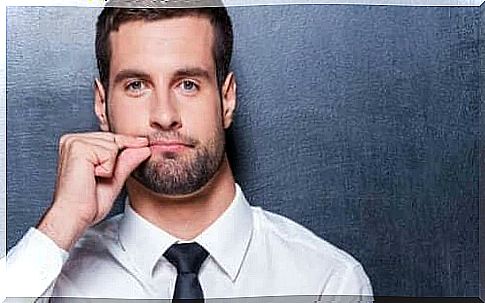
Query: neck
x: 188, y: 216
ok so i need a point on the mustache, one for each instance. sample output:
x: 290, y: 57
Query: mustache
x: 171, y: 136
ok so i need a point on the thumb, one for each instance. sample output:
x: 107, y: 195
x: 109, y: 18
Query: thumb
x: 128, y: 160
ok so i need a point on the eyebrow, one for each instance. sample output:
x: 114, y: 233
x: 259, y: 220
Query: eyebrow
x: 129, y: 73
x: 195, y: 72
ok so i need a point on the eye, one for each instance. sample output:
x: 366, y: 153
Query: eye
x: 188, y: 86
x: 135, y: 85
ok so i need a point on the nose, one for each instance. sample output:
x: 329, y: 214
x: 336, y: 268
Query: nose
x: 164, y: 112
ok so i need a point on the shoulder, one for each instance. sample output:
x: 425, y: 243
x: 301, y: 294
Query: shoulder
x: 283, y: 229
x: 309, y: 253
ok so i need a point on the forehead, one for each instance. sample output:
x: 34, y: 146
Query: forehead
x: 184, y: 40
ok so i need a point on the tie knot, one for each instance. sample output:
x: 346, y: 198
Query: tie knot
x: 186, y: 257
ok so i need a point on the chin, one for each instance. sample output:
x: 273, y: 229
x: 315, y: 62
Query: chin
x: 177, y: 175
x: 183, y: 196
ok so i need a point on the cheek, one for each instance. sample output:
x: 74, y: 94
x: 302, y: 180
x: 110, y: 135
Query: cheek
x: 127, y: 118
x: 201, y: 119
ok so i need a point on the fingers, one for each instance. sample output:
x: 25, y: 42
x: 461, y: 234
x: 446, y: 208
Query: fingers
x: 128, y: 160
x: 105, y: 161
x: 124, y: 141
x: 80, y: 195
x: 100, y: 149
x: 109, y: 188
x: 104, y: 138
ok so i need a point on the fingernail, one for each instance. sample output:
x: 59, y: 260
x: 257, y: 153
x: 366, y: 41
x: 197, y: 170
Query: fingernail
x: 142, y: 139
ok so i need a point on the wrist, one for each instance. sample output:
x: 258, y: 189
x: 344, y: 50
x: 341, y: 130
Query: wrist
x: 62, y: 227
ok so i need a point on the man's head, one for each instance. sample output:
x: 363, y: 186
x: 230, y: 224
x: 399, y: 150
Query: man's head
x: 113, y: 15
x: 165, y: 75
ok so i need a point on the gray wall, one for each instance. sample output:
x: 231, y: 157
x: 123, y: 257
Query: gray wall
x: 360, y: 122
x: 482, y: 155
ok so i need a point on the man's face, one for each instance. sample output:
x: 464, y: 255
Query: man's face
x: 163, y: 85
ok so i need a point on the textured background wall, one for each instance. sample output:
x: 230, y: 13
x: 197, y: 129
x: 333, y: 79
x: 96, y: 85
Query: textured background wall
x: 482, y: 155
x: 360, y: 122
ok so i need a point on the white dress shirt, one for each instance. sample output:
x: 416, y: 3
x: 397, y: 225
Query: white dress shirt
x: 253, y: 252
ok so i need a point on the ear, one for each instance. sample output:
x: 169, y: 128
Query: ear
x: 100, y: 105
x: 228, y: 99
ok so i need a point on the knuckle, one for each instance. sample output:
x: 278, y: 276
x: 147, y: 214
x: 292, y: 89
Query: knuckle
x: 107, y: 155
x: 114, y: 148
x: 117, y: 140
x: 114, y: 153
x: 76, y: 147
x: 76, y: 144
x: 64, y: 143
x: 63, y: 139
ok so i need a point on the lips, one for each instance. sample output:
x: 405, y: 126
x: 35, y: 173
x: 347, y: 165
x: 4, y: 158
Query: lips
x: 169, y: 146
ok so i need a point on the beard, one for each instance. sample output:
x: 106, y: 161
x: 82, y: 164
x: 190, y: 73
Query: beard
x: 182, y: 173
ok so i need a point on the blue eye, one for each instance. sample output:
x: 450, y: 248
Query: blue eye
x: 188, y: 85
x: 135, y: 85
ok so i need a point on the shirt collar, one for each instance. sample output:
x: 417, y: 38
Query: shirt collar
x: 227, y: 239
x: 142, y: 241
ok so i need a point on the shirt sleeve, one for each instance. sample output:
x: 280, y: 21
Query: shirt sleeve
x: 356, y: 282
x: 349, y: 286
x: 33, y: 266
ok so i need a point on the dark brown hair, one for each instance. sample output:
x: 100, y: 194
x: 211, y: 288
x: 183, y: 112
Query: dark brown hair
x: 113, y: 16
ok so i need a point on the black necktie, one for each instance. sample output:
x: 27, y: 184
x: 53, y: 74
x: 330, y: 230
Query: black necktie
x: 187, y: 258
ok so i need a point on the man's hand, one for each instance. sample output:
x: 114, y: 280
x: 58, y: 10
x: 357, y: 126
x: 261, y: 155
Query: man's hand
x: 92, y: 169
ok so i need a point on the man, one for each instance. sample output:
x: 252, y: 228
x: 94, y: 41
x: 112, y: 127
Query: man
x: 163, y: 100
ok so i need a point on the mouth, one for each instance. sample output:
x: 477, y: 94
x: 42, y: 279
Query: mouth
x: 169, y: 146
